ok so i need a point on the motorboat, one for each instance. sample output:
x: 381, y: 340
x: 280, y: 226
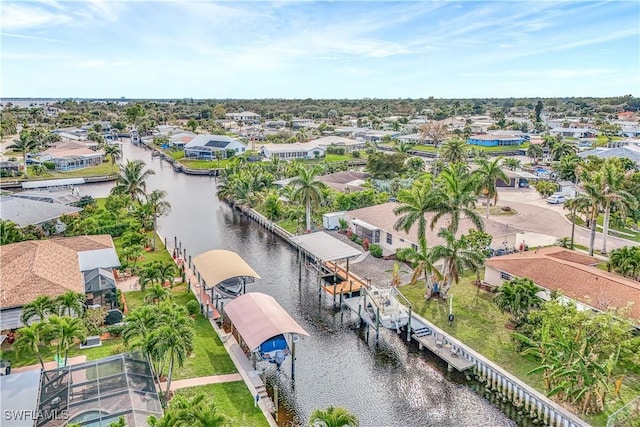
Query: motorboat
x: 230, y: 288
x: 382, y: 302
x: 275, y: 350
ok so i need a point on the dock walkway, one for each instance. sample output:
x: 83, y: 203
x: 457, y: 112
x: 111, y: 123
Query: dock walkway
x: 349, y: 283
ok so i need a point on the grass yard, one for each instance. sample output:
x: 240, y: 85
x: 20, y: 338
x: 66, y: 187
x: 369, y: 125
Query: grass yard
x: 624, y: 233
x: 478, y: 323
x: 106, y: 349
x: 210, y: 357
x: 495, y: 211
x: 204, y: 164
x: 99, y: 170
x: 481, y: 325
x: 233, y: 400
x: 160, y: 254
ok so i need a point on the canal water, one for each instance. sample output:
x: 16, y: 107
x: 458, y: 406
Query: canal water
x: 389, y: 384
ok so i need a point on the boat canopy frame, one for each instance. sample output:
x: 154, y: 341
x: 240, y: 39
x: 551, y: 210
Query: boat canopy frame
x: 219, y: 265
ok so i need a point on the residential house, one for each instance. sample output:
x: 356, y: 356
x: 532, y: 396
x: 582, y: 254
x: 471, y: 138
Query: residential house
x: 346, y: 181
x: 206, y: 146
x: 297, y: 150
x: 9, y: 168
x: 573, y: 274
x: 376, y: 223
x: 517, y: 179
x: 71, y: 134
x: 631, y: 152
x: 493, y: 140
x: 415, y: 138
x: 574, y: 132
x: 53, y: 267
x: 25, y: 211
x: 73, y: 155
x: 378, y: 135
x: 347, y: 143
x: 245, y: 116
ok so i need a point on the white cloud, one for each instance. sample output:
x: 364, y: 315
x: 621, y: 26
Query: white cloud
x: 20, y: 17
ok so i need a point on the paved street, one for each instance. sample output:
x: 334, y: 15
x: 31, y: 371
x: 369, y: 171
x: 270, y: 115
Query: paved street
x: 536, y: 215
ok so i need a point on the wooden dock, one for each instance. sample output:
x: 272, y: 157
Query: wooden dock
x: 349, y: 283
x: 446, y: 351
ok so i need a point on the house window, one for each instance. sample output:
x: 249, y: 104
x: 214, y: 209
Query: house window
x: 414, y: 246
x: 389, y: 239
x: 505, y: 276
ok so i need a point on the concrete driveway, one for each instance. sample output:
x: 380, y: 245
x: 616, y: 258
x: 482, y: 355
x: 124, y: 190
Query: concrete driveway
x: 537, y: 216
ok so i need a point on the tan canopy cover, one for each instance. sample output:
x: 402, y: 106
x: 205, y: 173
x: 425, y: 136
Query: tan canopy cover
x: 258, y: 317
x: 219, y: 265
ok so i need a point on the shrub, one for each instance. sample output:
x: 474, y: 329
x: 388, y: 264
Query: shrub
x: 193, y: 307
x: 402, y: 254
x: 49, y: 165
x: 365, y: 244
x: 115, y: 330
x: 118, y: 349
x: 356, y: 154
x: 94, y: 319
x: 352, y: 237
x: 375, y: 250
x: 358, y: 240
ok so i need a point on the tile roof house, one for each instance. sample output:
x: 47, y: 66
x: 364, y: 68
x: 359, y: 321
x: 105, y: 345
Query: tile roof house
x: 205, y: 146
x: 631, y: 152
x: 72, y: 155
x: 571, y: 273
x: 376, y: 224
x: 345, y: 181
x: 296, y: 150
x: 53, y: 267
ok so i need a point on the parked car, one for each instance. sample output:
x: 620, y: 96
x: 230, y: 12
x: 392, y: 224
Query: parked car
x: 556, y: 199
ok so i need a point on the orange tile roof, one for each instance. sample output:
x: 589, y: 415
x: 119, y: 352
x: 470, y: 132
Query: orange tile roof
x: 573, y: 275
x: 44, y: 267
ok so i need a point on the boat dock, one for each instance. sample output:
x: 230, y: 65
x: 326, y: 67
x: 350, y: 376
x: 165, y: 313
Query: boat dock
x: 420, y: 330
x: 346, y: 281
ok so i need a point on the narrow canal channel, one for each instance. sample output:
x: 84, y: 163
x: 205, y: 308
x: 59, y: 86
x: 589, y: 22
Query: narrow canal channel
x: 390, y: 384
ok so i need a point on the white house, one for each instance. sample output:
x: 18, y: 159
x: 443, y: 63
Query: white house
x: 348, y: 144
x: 245, y: 116
x: 297, y: 150
x: 574, y: 132
x: 376, y: 223
x: 206, y: 146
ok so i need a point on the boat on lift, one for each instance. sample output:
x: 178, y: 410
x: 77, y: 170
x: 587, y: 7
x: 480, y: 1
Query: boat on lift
x: 383, y: 303
x: 274, y: 350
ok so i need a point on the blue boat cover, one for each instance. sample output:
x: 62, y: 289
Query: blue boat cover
x: 276, y: 343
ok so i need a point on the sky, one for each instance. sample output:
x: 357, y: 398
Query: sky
x: 325, y: 49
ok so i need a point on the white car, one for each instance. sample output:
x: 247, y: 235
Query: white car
x: 556, y: 199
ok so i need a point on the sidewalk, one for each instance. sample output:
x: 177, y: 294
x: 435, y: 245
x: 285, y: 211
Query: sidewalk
x: 50, y: 365
x: 213, y: 379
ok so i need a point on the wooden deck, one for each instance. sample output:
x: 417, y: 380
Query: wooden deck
x: 349, y: 283
x: 445, y: 351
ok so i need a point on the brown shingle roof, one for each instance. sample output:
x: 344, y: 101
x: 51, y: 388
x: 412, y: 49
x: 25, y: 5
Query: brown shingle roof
x: 572, y: 274
x: 382, y: 216
x: 44, y: 267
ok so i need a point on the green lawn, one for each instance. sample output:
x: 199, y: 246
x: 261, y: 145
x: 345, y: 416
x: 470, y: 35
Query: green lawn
x: 478, y: 323
x: 210, y: 357
x: 431, y: 148
x: 233, y: 400
x: 204, y: 164
x: 625, y: 233
x: 481, y: 325
x: 160, y: 254
x: 99, y: 170
x: 106, y: 349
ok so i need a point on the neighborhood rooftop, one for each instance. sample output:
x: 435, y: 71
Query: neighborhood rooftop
x: 24, y: 211
x: 574, y: 275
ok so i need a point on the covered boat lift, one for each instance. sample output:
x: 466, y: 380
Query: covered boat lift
x: 258, y: 317
x: 325, y: 251
x: 216, y: 266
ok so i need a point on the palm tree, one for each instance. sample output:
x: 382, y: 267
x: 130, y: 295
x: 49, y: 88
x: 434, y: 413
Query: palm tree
x: 114, y: 153
x: 487, y: 176
x: 423, y: 264
x: 517, y: 297
x: 308, y: 191
x: 167, y: 272
x: 455, y: 150
x: 416, y: 202
x: 25, y: 144
x: 10, y: 232
x: 561, y: 149
x: 333, y: 417
x: 30, y: 340
x: 574, y: 205
x: 396, y: 271
x: 70, y: 302
x: 194, y: 411
x: 614, y: 195
x: 457, y: 256
x: 402, y: 147
x: 132, y: 180
x: 535, y: 153
x: 511, y: 163
x: 456, y: 198
x: 156, y: 293
x: 41, y: 307
x: 65, y: 330
x: 158, y: 207
x: 592, y: 184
